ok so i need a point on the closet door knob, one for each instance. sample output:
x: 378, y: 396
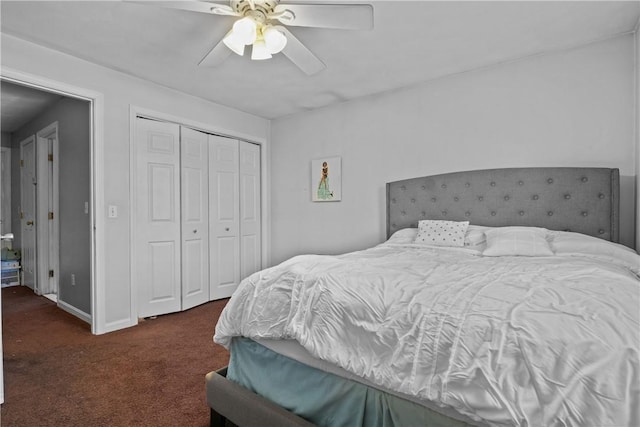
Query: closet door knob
x: 29, y: 222
x: 195, y: 231
x: 226, y: 229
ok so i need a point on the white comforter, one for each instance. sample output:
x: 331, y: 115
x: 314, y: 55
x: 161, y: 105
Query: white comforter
x: 517, y: 341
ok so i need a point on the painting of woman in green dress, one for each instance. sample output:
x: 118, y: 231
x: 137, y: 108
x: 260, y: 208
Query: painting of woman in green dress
x: 324, y: 193
x: 323, y: 190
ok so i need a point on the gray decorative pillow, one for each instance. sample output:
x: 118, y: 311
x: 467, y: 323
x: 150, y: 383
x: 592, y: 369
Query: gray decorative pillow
x: 441, y: 233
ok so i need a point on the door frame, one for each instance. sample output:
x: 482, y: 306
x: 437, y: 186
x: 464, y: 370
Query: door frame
x: 47, y: 196
x: 137, y: 111
x: 97, y: 233
x: 30, y: 139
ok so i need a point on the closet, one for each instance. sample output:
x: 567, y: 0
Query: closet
x: 197, y: 216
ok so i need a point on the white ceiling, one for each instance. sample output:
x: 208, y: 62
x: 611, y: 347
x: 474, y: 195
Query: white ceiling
x: 412, y: 42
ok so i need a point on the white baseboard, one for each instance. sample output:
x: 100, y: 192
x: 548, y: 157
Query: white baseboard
x: 76, y: 312
x: 116, y: 325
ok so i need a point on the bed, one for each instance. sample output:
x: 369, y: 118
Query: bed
x: 501, y: 297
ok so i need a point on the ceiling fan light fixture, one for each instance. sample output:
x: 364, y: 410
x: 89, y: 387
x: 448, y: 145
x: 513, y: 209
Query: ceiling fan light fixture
x: 245, y: 30
x: 268, y: 21
x: 260, y: 50
x: 274, y: 39
x: 232, y: 42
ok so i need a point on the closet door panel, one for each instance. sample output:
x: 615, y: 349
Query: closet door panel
x: 157, y: 241
x: 194, y: 171
x: 250, y: 216
x: 162, y: 270
x: 227, y: 199
x: 227, y: 262
x: 224, y: 214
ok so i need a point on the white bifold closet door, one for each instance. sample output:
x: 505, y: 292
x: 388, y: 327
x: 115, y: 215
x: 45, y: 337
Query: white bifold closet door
x: 234, y: 213
x: 194, y: 172
x: 172, y: 228
x: 158, y: 243
x: 250, y: 228
x: 224, y: 216
x: 197, y: 220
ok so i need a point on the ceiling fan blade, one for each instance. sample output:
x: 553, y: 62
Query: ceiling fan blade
x: 193, y: 6
x: 299, y: 54
x: 338, y: 16
x: 216, y: 55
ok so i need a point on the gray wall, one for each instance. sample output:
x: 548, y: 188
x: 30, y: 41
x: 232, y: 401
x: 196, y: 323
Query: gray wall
x: 5, y: 139
x: 569, y: 108
x: 74, y: 181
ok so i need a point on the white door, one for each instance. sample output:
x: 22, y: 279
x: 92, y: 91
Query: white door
x: 250, y: 230
x: 224, y: 214
x: 195, y: 217
x: 28, y: 211
x: 5, y: 195
x: 157, y: 241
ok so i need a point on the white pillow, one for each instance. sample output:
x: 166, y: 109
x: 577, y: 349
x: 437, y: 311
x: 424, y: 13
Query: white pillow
x: 576, y: 244
x: 441, y: 233
x: 406, y: 235
x: 517, y: 241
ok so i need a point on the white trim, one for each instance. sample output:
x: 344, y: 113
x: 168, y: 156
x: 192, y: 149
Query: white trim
x: 193, y: 124
x: 42, y: 237
x: 48, y: 243
x: 98, y: 225
x: 73, y: 310
x: 265, y: 198
x: 137, y: 111
x: 98, y: 250
x: 133, y: 206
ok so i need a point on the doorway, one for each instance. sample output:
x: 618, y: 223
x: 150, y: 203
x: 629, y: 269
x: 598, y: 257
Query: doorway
x: 51, y: 197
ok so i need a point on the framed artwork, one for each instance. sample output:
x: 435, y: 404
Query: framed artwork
x: 326, y: 179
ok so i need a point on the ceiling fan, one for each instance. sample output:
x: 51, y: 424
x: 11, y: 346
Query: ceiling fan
x: 262, y: 24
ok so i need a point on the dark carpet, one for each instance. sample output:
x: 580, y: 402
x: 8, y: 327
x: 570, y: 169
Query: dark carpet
x: 57, y: 373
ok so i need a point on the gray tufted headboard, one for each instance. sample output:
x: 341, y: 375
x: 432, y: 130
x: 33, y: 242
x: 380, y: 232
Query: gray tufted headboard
x: 584, y: 200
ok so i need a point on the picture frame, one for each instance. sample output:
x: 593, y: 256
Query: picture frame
x: 326, y: 179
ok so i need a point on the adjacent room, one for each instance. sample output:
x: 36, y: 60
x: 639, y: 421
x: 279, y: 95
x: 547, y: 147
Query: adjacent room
x: 339, y: 168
